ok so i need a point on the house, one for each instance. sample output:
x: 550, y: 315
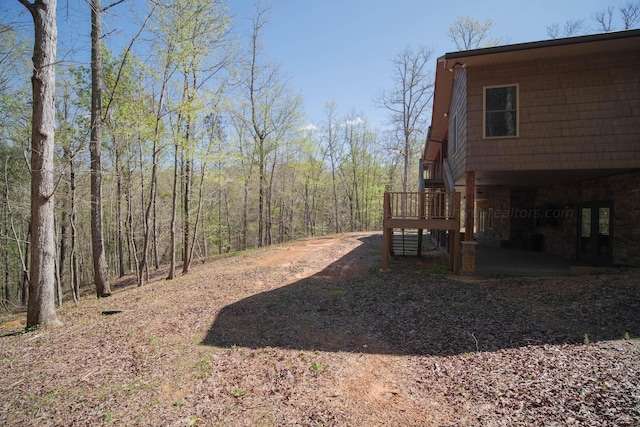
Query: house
x: 542, y: 140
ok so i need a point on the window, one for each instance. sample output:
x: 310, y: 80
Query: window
x: 500, y: 111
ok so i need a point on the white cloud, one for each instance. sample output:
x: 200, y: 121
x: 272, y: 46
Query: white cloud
x: 357, y: 121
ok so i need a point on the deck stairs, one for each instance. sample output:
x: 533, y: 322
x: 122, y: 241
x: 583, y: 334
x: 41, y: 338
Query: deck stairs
x: 404, y: 242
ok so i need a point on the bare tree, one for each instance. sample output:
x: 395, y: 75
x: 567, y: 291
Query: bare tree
x: 469, y: 33
x: 571, y: 28
x: 604, y: 19
x: 333, y: 149
x: 41, y: 304
x: 273, y: 111
x: 408, y: 100
x: 630, y: 14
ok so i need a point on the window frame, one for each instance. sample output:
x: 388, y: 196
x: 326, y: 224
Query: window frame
x: 484, y: 111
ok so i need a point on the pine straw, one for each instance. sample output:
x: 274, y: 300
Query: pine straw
x: 313, y: 334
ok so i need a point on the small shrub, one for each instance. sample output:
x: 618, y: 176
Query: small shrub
x: 239, y: 392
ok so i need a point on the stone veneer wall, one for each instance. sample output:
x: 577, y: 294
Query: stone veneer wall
x: 622, y: 189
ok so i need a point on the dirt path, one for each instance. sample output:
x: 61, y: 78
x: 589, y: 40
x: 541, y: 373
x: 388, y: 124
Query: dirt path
x: 312, y: 333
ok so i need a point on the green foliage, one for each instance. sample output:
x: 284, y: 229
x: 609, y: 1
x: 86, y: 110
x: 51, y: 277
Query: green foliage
x: 191, y: 91
x: 337, y: 292
x: 204, y: 367
x: 469, y: 33
x: 238, y: 392
x: 108, y: 416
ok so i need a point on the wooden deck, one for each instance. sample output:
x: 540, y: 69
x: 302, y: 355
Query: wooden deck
x: 424, y: 210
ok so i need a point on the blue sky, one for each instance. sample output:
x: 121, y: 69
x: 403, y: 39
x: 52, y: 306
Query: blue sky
x: 341, y: 50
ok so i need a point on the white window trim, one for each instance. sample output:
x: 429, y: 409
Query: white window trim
x: 484, y: 111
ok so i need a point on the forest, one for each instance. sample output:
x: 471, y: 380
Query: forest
x: 184, y: 143
x: 202, y: 151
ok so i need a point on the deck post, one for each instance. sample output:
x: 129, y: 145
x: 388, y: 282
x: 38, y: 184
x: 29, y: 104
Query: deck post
x: 470, y: 193
x: 386, y: 232
x: 422, y: 214
x: 454, y: 250
x: 386, y: 247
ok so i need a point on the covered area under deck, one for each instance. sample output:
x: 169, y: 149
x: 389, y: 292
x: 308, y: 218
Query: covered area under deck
x: 497, y: 261
x: 500, y: 261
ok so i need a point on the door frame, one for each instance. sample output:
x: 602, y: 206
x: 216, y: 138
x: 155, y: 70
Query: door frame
x: 593, y: 254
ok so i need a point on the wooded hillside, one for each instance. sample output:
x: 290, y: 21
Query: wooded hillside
x: 204, y: 150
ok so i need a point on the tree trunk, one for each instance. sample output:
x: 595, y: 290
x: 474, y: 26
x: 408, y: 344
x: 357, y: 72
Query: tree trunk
x: 64, y: 238
x: 5, y: 247
x: 187, y: 177
x: 156, y: 255
x: 198, y: 211
x: 75, y: 278
x: 58, y: 284
x: 220, y: 222
x: 101, y: 280
x: 132, y: 248
x: 228, y: 218
x: 25, y: 272
x: 186, y: 209
x: 245, y: 215
x: 174, y: 205
x: 142, y: 267
x: 41, y: 307
x: 120, y: 240
x: 269, y: 203
x: 261, y: 197
x: 142, y: 270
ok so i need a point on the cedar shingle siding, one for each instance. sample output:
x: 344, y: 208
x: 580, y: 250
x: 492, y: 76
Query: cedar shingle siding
x: 579, y: 113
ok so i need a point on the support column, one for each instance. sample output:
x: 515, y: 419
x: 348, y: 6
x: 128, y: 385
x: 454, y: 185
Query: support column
x: 422, y: 214
x: 454, y: 250
x: 386, y: 232
x: 468, y: 258
x: 469, y: 244
x: 470, y: 198
x: 386, y: 247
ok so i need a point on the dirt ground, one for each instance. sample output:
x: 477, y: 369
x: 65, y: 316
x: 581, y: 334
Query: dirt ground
x: 312, y: 333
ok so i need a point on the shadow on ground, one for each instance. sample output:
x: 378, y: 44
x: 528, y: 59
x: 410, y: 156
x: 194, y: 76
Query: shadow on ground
x: 417, y: 309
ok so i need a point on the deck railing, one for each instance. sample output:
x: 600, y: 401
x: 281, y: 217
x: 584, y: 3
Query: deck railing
x: 424, y: 210
x: 432, y: 170
x: 420, y: 205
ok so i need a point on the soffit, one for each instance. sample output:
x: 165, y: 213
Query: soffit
x: 538, y: 178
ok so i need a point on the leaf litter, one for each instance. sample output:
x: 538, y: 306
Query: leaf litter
x: 312, y: 333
